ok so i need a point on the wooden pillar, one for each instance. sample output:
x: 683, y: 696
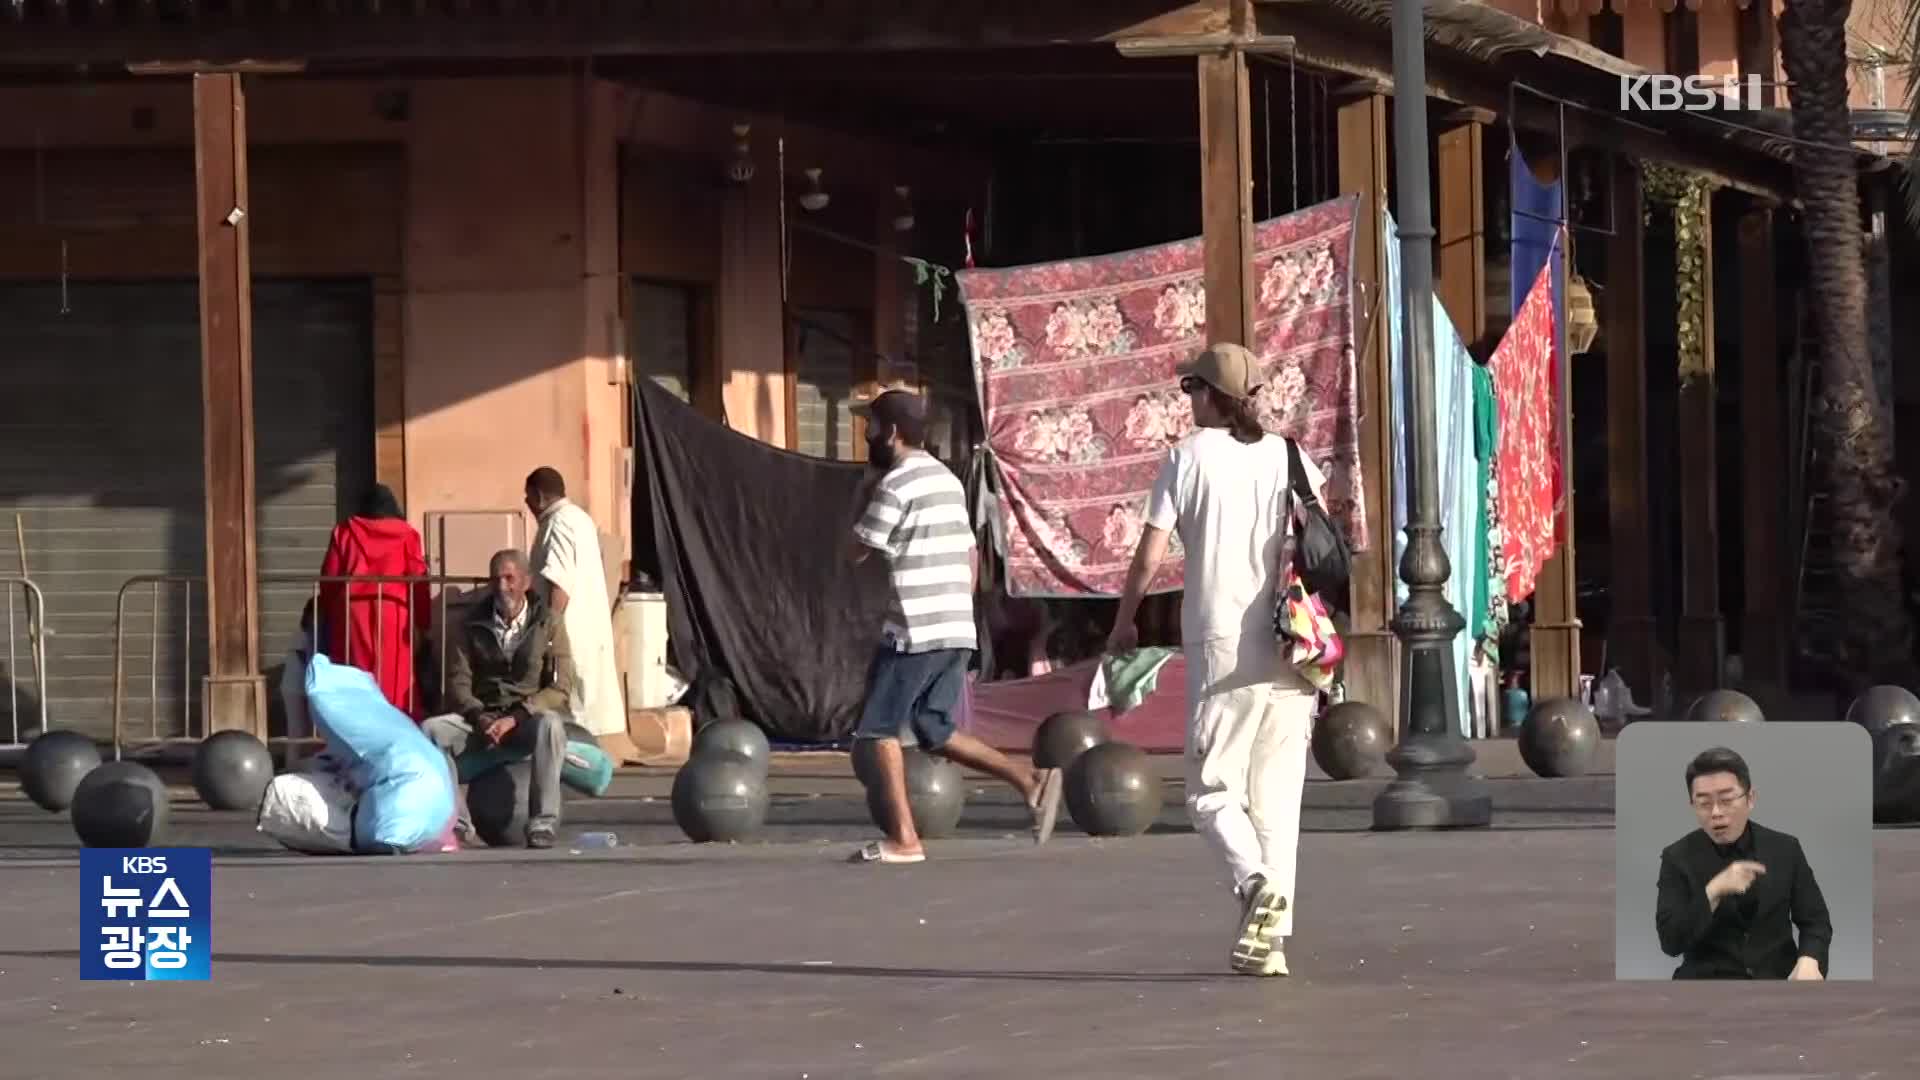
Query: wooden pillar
x: 1554, y: 639
x: 1763, y: 420
x: 1372, y: 666
x: 1461, y: 253
x: 1226, y: 196
x: 1701, y: 648
x: 1633, y: 633
x: 234, y: 696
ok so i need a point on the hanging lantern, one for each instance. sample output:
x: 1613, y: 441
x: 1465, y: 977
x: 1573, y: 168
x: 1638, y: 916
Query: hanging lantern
x: 903, y: 217
x: 740, y: 165
x: 1583, y: 324
x: 815, y: 198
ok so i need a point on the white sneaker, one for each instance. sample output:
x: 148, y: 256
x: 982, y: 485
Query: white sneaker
x: 1258, y: 944
x: 1276, y: 964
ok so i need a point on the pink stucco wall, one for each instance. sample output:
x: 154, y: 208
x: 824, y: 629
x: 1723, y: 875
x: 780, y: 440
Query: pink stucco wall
x: 511, y: 282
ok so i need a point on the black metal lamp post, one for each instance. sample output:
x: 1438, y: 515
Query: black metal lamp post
x: 1434, y: 789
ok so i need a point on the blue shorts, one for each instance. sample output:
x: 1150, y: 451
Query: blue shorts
x: 913, y: 692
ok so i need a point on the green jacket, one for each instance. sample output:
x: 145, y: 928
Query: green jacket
x: 481, y: 678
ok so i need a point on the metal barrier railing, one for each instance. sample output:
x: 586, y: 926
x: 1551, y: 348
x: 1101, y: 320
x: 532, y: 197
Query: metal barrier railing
x: 401, y: 596
x: 35, y: 651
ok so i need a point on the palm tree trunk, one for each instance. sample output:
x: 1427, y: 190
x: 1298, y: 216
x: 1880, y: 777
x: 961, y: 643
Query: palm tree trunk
x: 1874, y: 636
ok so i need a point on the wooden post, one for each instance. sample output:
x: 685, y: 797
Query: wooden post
x: 1554, y: 640
x: 1373, y: 653
x: 1461, y: 254
x: 1633, y: 637
x: 1763, y: 648
x: 234, y: 696
x: 1226, y: 152
x: 1226, y: 197
x: 1701, y: 645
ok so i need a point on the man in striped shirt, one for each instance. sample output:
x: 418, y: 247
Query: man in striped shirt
x: 915, y: 515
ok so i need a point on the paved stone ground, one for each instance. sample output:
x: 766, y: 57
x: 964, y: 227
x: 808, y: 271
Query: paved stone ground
x: 1474, y: 955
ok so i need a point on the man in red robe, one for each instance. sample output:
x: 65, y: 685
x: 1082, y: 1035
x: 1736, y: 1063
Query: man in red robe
x: 374, y: 628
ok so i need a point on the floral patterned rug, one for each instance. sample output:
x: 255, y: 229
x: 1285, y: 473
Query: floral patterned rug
x: 1075, y: 366
x: 1525, y: 384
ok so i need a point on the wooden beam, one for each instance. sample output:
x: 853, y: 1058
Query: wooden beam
x: 1763, y: 636
x: 1339, y: 44
x: 1699, y: 665
x: 1372, y: 668
x: 235, y: 694
x: 1226, y: 197
x: 1213, y: 44
x: 1461, y: 251
x: 1633, y: 633
x: 660, y: 28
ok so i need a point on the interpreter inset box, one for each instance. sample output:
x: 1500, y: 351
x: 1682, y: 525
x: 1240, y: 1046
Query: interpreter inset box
x: 1743, y: 851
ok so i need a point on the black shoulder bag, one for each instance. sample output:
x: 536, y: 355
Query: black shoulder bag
x: 1320, y: 554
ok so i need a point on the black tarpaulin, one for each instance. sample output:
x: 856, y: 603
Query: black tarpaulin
x: 769, y: 620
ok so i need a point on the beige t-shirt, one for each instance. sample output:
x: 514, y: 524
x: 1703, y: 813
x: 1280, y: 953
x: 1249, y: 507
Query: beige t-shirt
x: 1224, y: 498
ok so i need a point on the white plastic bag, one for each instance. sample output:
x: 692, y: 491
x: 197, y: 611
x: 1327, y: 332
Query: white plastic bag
x: 310, y: 811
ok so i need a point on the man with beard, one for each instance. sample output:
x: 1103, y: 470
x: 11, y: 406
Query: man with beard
x: 914, y: 513
x: 509, y: 674
x: 1733, y: 892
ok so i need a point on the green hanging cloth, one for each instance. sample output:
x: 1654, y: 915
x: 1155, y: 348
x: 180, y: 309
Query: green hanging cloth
x: 1490, y: 586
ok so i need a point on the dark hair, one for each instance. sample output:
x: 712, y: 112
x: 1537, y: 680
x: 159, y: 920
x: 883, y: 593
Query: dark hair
x: 379, y: 502
x: 912, y: 433
x: 1719, y: 760
x: 897, y: 412
x: 1242, y: 422
x: 546, y: 480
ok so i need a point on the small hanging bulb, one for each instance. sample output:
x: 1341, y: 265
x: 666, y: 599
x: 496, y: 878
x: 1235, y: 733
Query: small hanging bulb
x: 815, y: 198
x: 740, y: 166
x: 903, y: 219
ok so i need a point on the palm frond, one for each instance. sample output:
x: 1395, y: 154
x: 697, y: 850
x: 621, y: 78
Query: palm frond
x: 1462, y: 26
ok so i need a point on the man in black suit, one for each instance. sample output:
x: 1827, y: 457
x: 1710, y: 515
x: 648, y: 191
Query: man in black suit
x: 1732, y: 894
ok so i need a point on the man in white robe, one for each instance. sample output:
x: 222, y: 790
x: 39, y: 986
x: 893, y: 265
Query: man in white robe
x: 567, y: 565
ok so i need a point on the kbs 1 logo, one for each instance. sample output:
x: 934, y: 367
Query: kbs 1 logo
x: 1694, y: 93
x: 146, y: 914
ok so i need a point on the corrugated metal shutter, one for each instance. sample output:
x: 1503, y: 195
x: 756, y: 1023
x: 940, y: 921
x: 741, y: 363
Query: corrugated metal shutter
x: 100, y: 454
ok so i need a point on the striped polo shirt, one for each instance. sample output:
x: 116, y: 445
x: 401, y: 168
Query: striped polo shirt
x: 918, y: 520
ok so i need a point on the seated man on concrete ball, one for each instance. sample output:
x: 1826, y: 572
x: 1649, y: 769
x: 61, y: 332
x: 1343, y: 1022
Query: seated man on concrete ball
x: 1733, y: 892
x: 509, y: 673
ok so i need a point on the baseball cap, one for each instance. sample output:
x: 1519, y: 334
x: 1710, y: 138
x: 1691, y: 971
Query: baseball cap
x: 1228, y: 368
x: 902, y: 410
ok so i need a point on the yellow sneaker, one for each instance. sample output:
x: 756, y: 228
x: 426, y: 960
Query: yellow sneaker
x: 1258, y: 942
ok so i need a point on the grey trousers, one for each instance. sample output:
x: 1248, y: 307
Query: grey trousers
x: 544, y: 735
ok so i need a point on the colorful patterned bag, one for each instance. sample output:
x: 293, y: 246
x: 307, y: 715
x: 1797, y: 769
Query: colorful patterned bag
x: 1306, y: 632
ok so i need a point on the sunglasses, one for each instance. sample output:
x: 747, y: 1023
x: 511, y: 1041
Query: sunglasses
x: 1192, y: 384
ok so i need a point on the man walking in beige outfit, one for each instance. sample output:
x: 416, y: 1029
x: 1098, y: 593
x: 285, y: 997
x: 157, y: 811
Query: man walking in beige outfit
x: 1224, y: 489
